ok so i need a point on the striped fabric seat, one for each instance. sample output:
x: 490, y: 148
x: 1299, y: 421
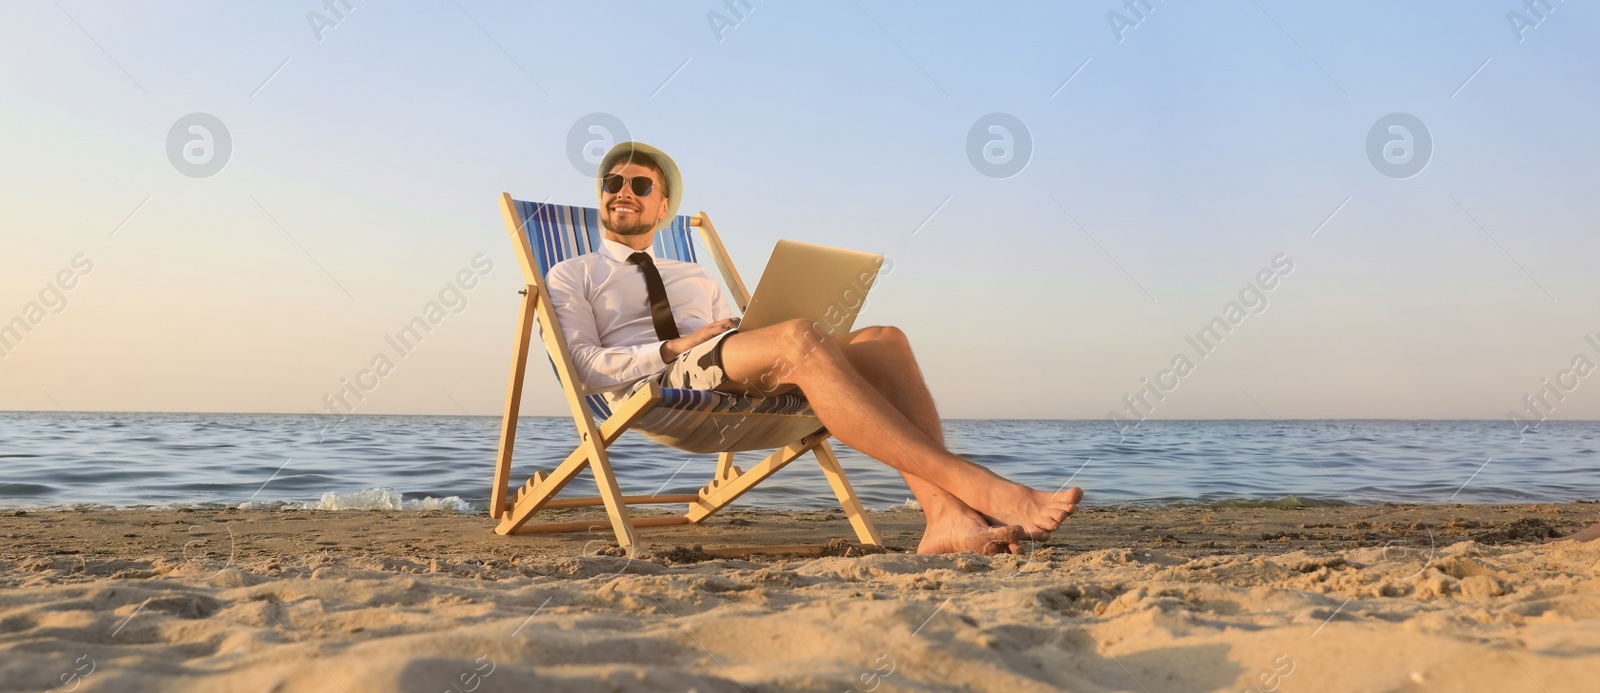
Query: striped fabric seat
x: 691, y: 420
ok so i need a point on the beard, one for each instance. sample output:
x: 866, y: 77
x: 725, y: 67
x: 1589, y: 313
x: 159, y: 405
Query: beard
x: 638, y: 228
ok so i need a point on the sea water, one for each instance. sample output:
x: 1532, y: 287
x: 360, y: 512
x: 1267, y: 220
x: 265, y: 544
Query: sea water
x: 55, y: 460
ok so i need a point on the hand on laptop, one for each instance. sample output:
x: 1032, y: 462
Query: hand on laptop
x: 671, y: 348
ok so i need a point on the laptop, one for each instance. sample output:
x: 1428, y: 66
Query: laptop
x: 814, y: 282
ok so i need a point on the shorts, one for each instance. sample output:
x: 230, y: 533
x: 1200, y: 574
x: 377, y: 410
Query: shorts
x: 699, y: 368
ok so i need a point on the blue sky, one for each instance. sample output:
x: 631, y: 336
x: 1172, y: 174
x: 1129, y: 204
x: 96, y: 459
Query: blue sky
x: 1207, y: 140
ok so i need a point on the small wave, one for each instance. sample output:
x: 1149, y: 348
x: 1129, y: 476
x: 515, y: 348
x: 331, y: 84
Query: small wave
x: 368, y: 499
x: 388, y: 499
x: 1284, y: 503
x: 909, y: 504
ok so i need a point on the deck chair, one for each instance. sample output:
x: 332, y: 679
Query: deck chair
x: 699, y: 421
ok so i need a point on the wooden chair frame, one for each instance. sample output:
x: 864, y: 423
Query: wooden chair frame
x: 540, y: 491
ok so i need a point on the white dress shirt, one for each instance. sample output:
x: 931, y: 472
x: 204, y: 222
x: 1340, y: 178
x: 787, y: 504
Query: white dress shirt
x: 604, y: 311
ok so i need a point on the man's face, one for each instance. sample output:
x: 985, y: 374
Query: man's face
x: 627, y: 214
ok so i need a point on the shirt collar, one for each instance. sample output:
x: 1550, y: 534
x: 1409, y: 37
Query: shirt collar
x: 621, y: 252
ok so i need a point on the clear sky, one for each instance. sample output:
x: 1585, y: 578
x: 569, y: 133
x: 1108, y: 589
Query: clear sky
x: 1175, y: 152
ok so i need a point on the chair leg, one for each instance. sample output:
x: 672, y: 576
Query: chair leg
x: 591, y: 453
x: 726, y: 489
x: 508, y: 421
x: 616, y: 508
x: 724, y: 463
x: 540, y: 489
x: 865, y: 531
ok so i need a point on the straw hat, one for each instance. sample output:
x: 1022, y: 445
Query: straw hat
x: 623, y: 150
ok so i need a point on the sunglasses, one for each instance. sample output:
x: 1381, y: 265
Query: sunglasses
x: 613, y: 182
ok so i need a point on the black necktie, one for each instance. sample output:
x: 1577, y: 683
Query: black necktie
x: 660, y: 310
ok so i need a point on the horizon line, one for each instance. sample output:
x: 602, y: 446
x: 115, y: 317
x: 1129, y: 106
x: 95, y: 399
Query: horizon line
x: 547, y: 416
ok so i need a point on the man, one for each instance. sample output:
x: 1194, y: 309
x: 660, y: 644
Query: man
x: 630, y: 318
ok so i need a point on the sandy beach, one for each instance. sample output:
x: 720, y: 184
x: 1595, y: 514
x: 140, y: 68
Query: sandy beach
x: 1343, y: 598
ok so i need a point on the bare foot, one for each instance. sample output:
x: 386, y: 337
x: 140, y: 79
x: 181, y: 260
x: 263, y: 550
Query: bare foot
x: 968, y: 532
x: 1037, y: 512
x: 1589, y: 534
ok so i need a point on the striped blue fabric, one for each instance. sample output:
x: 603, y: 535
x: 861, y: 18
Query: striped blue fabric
x: 719, y: 402
x: 693, y: 420
x: 559, y: 232
x: 706, y: 421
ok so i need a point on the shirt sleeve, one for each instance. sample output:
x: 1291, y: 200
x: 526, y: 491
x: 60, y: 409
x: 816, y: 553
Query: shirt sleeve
x: 721, y: 309
x: 600, y: 368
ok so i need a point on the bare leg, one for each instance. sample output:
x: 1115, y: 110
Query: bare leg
x: 883, y: 356
x: 793, y: 354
